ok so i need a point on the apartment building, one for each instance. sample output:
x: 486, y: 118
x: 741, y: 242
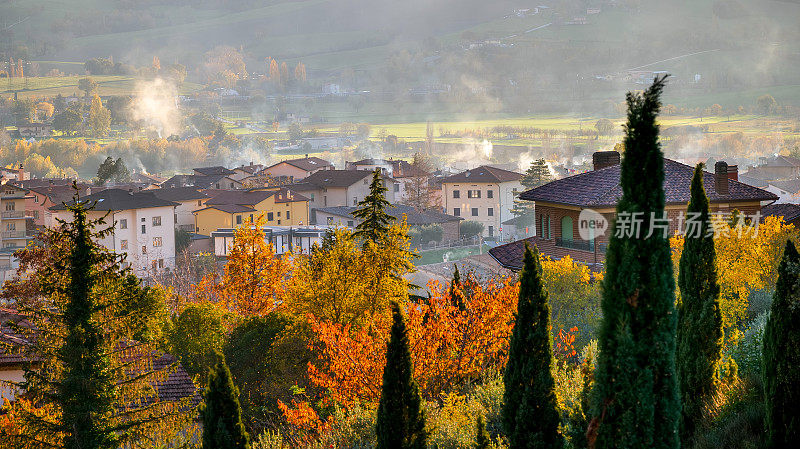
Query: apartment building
x: 231, y: 208
x: 14, y: 233
x: 484, y: 194
x: 144, y: 227
x: 188, y: 200
x: 331, y: 188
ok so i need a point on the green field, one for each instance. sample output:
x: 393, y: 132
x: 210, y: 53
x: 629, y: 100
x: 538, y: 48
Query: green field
x: 50, y: 86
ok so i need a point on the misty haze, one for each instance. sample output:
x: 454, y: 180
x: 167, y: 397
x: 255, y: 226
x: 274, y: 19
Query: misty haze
x: 271, y: 224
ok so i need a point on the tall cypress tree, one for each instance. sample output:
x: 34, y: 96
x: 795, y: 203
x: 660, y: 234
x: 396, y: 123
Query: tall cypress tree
x: 636, y: 402
x: 530, y: 413
x: 221, y: 413
x: 83, y: 309
x: 699, y: 349
x: 372, y: 211
x: 401, y: 418
x: 782, y: 355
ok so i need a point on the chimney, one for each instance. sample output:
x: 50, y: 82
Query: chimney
x: 733, y: 172
x: 306, y: 155
x: 721, y: 177
x: 20, y: 173
x: 604, y: 159
x: 251, y: 163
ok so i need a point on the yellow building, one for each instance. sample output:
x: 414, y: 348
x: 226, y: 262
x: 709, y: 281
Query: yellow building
x: 231, y: 208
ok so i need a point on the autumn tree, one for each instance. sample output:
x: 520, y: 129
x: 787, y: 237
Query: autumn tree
x: 372, y: 211
x: 420, y: 194
x: 274, y: 72
x: 44, y: 110
x: 450, y: 346
x: 90, y: 328
x: 782, y: 355
x: 401, y: 416
x: 300, y: 72
x: 636, y: 398
x: 253, y: 280
x: 99, y: 118
x: 346, y: 283
x: 221, y: 413
x: 88, y: 86
x: 699, y: 340
x: 530, y: 414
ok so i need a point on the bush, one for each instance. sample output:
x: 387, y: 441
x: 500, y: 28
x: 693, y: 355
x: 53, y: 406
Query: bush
x: 196, y: 336
x: 421, y: 235
x: 470, y: 229
x: 748, y: 351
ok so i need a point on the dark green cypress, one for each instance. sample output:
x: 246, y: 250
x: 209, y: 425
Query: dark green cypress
x: 482, y: 438
x: 782, y: 355
x: 456, y: 293
x: 530, y: 413
x: 86, y: 392
x: 372, y: 211
x: 401, y: 418
x: 221, y: 413
x: 636, y: 401
x: 699, y: 349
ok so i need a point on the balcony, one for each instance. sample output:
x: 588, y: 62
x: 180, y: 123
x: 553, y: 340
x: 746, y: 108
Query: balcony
x: 581, y: 245
x: 12, y: 214
x: 13, y: 234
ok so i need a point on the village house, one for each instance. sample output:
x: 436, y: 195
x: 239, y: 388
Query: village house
x: 228, y: 209
x: 295, y: 240
x: 485, y: 194
x: 558, y: 205
x: 144, y: 227
x: 14, y: 230
x: 789, y: 212
x: 188, y: 200
x: 788, y: 191
x: 343, y: 216
x: 330, y: 188
x: 34, y: 130
x: 203, y: 182
x: 176, y: 386
x: 244, y: 171
x: 401, y: 171
x: 775, y: 168
x: 293, y: 170
x: 44, y: 195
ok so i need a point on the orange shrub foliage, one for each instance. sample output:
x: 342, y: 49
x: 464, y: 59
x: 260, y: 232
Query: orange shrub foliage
x: 450, y: 345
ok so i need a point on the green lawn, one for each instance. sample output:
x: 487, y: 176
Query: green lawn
x: 49, y: 86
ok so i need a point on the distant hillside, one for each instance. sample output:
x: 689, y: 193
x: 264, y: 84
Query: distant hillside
x: 544, y: 45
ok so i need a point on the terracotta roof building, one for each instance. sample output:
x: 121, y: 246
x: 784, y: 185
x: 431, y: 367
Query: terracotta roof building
x: 558, y: 206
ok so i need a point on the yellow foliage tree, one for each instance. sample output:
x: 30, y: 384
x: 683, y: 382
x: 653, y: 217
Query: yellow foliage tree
x: 747, y: 261
x: 345, y: 283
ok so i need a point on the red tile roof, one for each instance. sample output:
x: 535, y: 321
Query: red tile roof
x: 601, y: 188
x: 484, y: 173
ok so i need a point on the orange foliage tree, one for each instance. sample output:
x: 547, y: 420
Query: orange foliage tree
x: 253, y: 281
x: 450, y: 345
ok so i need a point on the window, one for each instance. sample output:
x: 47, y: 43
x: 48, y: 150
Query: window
x: 157, y: 221
x: 312, y: 197
x: 11, y: 206
x: 490, y: 194
x: 35, y: 199
x: 397, y: 187
x: 238, y: 219
x: 36, y: 214
x: 490, y: 212
x: 144, y: 229
x: 355, y: 201
x: 143, y: 219
x: 11, y: 226
x: 491, y: 231
x: 216, y: 185
x: 144, y: 249
x: 325, y: 200
x: 473, y: 193
x: 157, y: 241
x: 329, y: 220
x: 474, y: 211
x: 160, y: 263
x: 199, y: 202
x: 350, y: 223
x: 456, y: 194
x: 566, y: 228
x: 288, y: 217
x: 549, y: 229
x: 279, y: 214
x: 279, y: 222
x: 270, y: 216
x: 457, y: 211
x: 123, y: 244
x: 123, y: 224
x: 251, y: 217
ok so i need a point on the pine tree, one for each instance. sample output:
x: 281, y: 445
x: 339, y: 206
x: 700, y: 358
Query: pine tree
x: 699, y: 341
x: 401, y: 418
x: 372, y: 212
x: 537, y: 175
x: 482, y: 439
x: 456, y: 292
x: 221, y: 413
x: 782, y: 355
x: 89, y: 326
x: 636, y: 400
x: 530, y: 413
